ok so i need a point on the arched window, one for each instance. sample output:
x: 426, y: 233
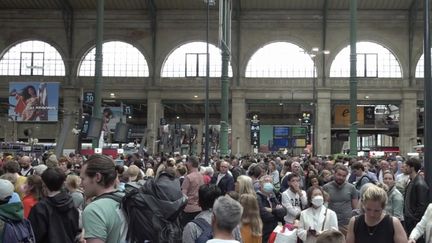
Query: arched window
x: 420, y: 67
x: 34, y: 58
x: 190, y: 60
x: 120, y: 59
x: 280, y: 60
x: 373, y: 61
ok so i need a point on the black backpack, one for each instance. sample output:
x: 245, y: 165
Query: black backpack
x: 17, y: 231
x: 206, y: 230
x: 152, y: 211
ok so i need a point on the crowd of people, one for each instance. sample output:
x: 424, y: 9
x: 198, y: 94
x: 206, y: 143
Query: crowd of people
x: 142, y: 198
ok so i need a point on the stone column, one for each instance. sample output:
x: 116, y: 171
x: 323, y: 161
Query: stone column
x: 239, y: 142
x: 154, y: 113
x: 70, y: 111
x: 408, y: 122
x: 323, y: 123
x: 8, y: 129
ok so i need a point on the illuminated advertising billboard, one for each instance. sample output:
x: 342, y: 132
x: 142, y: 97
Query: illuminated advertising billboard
x: 33, y: 101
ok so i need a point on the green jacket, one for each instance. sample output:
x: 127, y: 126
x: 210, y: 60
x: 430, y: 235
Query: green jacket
x: 12, y: 211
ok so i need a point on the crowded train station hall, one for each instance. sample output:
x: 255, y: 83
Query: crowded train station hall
x: 220, y: 121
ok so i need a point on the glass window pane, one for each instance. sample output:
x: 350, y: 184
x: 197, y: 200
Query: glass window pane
x: 26, y: 63
x: 10, y: 62
x: 280, y: 59
x: 360, y: 65
x: 202, y: 64
x: 388, y: 65
x: 120, y: 59
x: 174, y: 65
x: 371, y: 65
x: 191, y: 65
x: 38, y: 63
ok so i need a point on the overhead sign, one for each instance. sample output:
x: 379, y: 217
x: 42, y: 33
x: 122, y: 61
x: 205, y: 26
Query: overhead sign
x: 89, y: 97
x: 33, y: 101
x: 255, y: 132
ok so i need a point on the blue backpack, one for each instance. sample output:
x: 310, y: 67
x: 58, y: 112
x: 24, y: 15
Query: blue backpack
x: 18, y: 232
x: 207, y: 232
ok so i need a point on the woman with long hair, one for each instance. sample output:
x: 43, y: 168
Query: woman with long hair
x: 72, y: 184
x: 244, y: 185
x: 31, y: 100
x: 375, y: 225
x: 395, y: 204
x: 32, y: 191
x: 251, y: 224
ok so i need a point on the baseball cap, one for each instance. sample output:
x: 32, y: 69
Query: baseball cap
x: 6, y: 189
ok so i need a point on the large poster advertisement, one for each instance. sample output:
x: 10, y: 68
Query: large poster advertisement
x: 342, y: 115
x: 34, y: 101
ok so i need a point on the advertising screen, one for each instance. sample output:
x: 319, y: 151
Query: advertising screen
x: 33, y: 101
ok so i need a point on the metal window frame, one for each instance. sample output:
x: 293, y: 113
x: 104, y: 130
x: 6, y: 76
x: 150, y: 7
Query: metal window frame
x: 365, y: 70
x: 197, y: 70
x: 32, y: 62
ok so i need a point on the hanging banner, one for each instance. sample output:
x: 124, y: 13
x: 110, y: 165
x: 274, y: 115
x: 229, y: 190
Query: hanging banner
x: 33, y: 101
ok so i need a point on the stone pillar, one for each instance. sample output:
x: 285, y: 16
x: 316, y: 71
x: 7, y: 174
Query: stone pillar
x: 70, y: 111
x: 408, y: 122
x: 8, y: 129
x: 323, y: 123
x: 154, y: 113
x: 199, y: 139
x: 239, y: 142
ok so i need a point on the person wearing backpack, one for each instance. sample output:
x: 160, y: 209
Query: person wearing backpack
x: 100, y: 224
x: 361, y: 177
x: 13, y: 227
x: 227, y: 214
x: 54, y: 218
x: 200, y: 230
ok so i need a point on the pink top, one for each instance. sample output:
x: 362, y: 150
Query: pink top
x: 190, y: 187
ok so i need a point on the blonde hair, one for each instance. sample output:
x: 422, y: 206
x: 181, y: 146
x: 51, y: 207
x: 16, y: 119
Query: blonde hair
x: 150, y: 172
x: 251, y: 214
x: 245, y: 185
x: 374, y: 193
x: 73, y: 181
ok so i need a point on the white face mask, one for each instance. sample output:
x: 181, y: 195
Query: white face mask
x: 318, y: 201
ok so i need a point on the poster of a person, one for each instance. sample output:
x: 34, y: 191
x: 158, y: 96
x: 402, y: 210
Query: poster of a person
x: 33, y: 101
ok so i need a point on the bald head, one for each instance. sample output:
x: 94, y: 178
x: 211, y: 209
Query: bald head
x: 25, y: 162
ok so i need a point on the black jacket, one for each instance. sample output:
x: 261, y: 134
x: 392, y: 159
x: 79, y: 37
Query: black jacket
x: 270, y: 220
x: 416, y: 199
x: 226, y: 184
x: 55, y: 219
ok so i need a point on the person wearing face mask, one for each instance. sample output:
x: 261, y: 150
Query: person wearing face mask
x: 271, y: 211
x: 317, y: 218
